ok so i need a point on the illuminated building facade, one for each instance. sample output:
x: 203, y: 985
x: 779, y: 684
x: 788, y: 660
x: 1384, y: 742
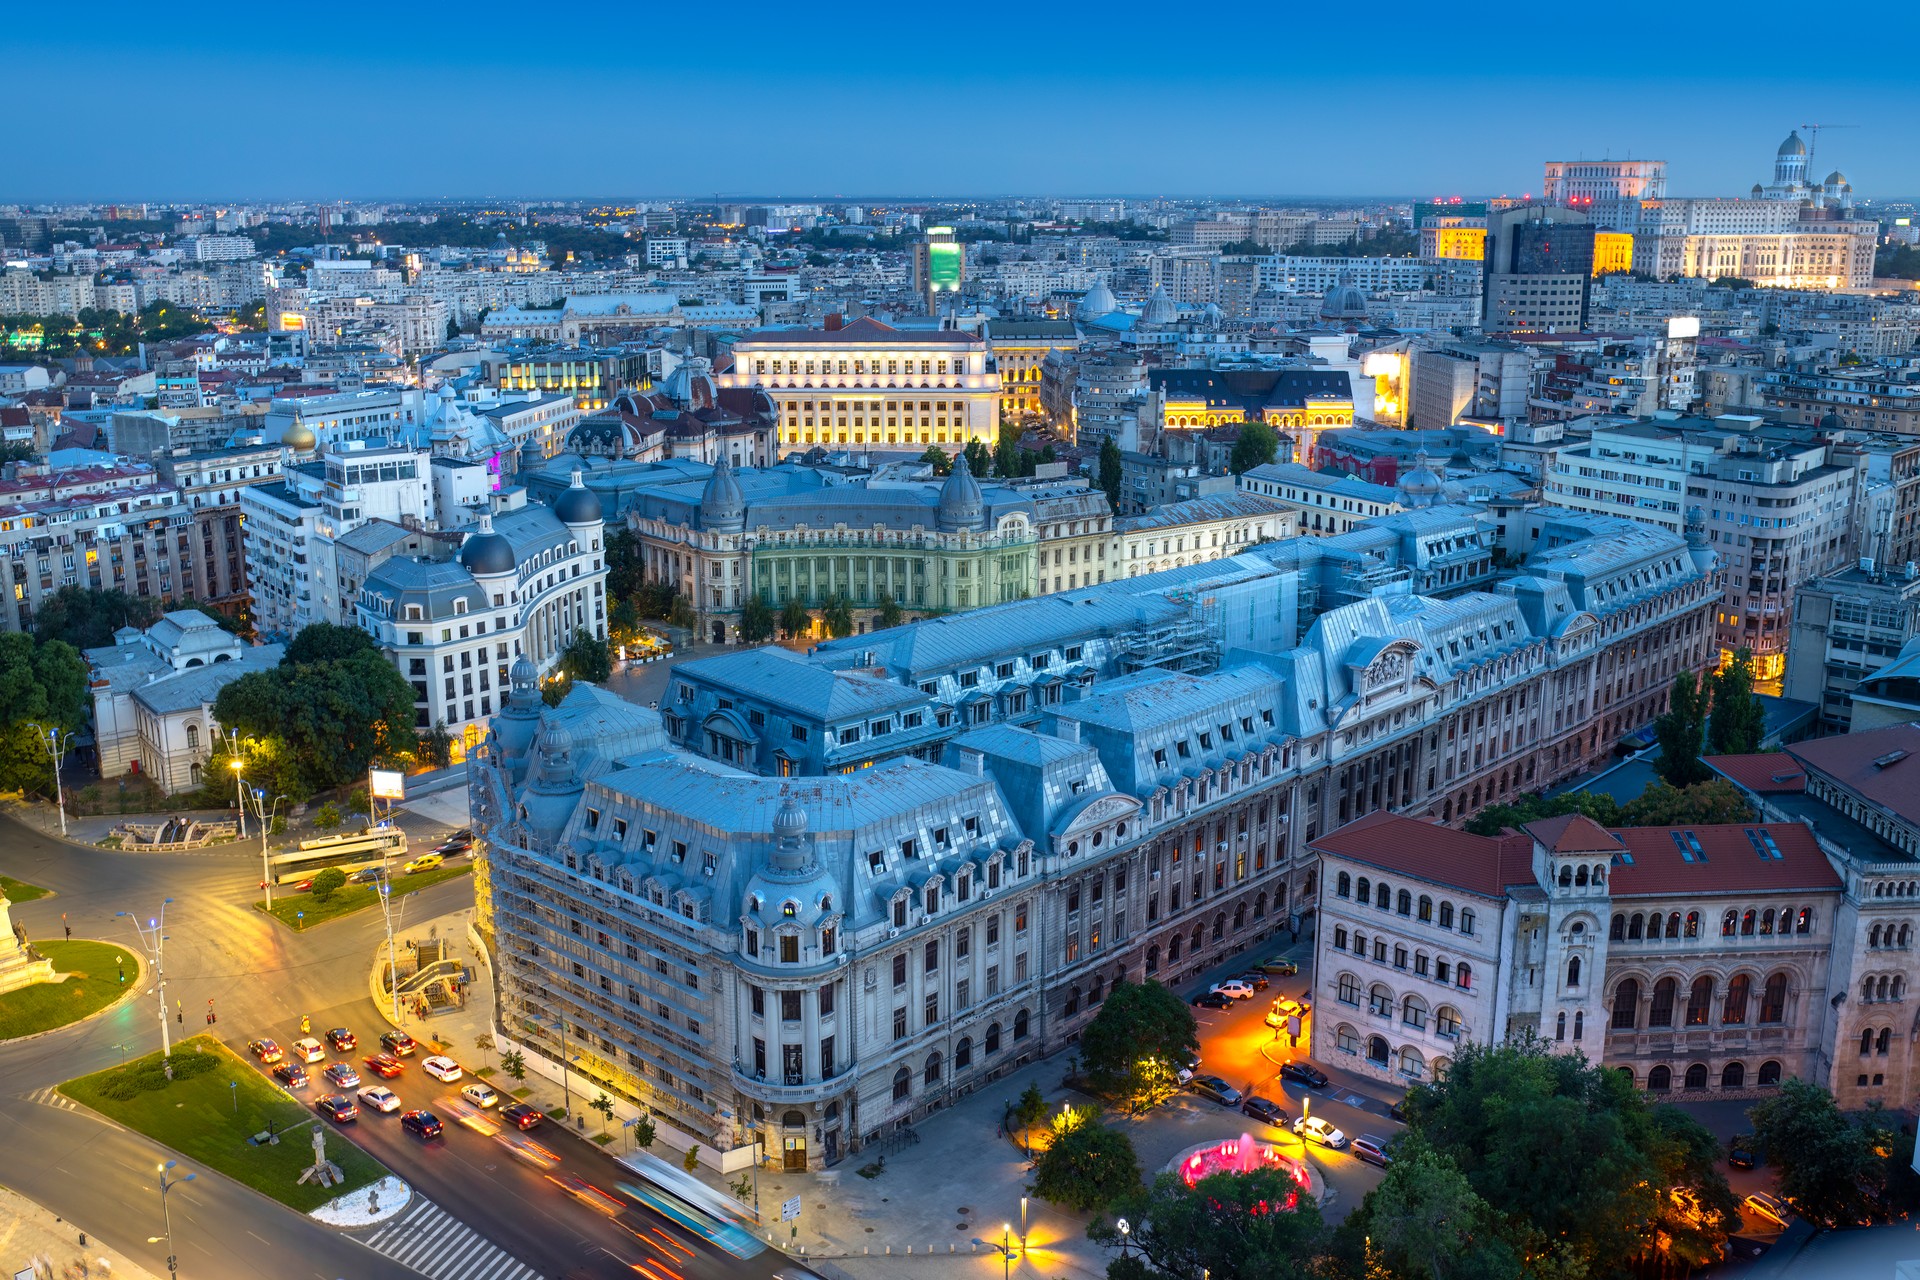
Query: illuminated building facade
x: 1020, y: 350
x: 868, y: 383
x: 592, y: 376
x: 1575, y: 184
x: 1302, y: 402
x: 939, y: 267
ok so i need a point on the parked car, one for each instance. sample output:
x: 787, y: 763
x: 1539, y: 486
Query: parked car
x: 1212, y: 1000
x: 480, y: 1094
x: 1235, y: 988
x: 1744, y: 1152
x: 423, y: 1124
x: 1302, y: 1073
x: 1766, y: 1205
x: 1255, y: 979
x: 342, y: 1039
x: 307, y: 1049
x: 380, y: 1098
x: 1215, y: 1088
x: 1287, y: 1006
x: 522, y: 1115
x: 291, y: 1074
x: 266, y: 1050
x: 337, y: 1107
x: 1397, y: 1111
x: 1266, y: 1111
x: 398, y: 1043
x: 384, y: 1065
x: 1373, y: 1149
x: 441, y: 1068
x: 425, y: 862
x: 1278, y: 967
x: 342, y: 1076
x: 1318, y: 1129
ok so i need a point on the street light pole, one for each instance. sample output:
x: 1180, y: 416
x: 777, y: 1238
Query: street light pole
x: 152, y: 935
x: 393, y: 968
x: 166, y: 1215
x: 266, y: 813
x: 55, y: 742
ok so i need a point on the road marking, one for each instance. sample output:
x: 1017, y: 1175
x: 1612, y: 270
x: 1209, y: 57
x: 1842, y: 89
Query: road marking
x: 51, y: 1097
x: 438, y: 1245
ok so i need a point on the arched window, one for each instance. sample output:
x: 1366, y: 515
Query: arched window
x: 193, y: 737
x: 1153, y: 958
x: 193, y: 773
x: 1359, y: 944
x: 1346, y: 1039
x: 1773, y: 999
x: 902, y: 1084
x: 1566, y: 877
x: 1380, y: 1001
x: 1806, y: 921
x: 1560, y: 1027
x: 1693, y: 925
x: 1377, y: 1050
x: 1866, y: 1042
x: 1343, y: 886
x: 1466, y: 921
x: 963, y: 1054
x: 1661, y: 1010
x: 1659, y: 1080
x: 1618, y: 929
x: 1733, y: 1010
x: 1365, y: 893
x: 931, y: 1072
x: 1404, y: 903
x: 1240, y: 916
x: 1096, y: 990
x: 1673, y: 924
x: 1866, y: 989
x: 1769, y: 1072
x: 1219, y: 926
x: 1729, y: 923
x: 1766, y: 920
x: 1413, y: 1012
x: 1697, y: 1076
x: 1020, y: 1024
x: 1383, y: 897
x: 1733, y: 1075
x: 1573, y: 972
x: 1073, y: 1001
x: 1446, y: 915
x: 1198, y: 936
x: 993, y: 1038
x: 1463, y: 975
x: 1700, y: 1002
x: 1634, y: 926
x: 1746, y: 924
x: 1626, y: 1005
x: 1173, y: 946
x: 1260, y: 907
x: 1579, y: 1024
x: 1425, y: 911
x: 1413, y: 1064
x: 1580, y: 878
x: 1873, y: 936
x: 1883, y: 1042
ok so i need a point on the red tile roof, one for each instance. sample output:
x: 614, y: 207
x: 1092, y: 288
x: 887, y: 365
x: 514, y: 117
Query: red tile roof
x: 1428, y: 851
x: 1764, y: 773
x: 1573, y: 833
x: 1883, y: 765
x: 1727, y: 860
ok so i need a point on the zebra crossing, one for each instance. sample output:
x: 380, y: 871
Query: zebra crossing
x: 51, y: 1097
x: 440, y: 1246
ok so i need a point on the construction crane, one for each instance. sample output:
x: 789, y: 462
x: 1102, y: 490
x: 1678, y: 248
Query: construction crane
x: 1813, y: 138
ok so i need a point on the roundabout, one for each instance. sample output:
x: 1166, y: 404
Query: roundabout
x: 1245, y: 1154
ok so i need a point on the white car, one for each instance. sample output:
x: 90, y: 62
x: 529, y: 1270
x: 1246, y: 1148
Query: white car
x: 1314, y: 1129
x: 1234, y: 989
x: 380, y: 1098
x: 442, y: 1068
x: 308, y: 1049
x: 480, y: 1094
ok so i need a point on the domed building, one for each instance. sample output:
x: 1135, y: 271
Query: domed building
x: 688, y: 416
x: 1344, y: 306
x: 1159, y: 312
x: 1098, y: 301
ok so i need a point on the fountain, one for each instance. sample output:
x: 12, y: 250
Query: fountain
x: 1243, y: 1154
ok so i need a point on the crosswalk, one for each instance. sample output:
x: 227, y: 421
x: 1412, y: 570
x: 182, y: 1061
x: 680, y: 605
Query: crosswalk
x: 51, y: 1097
x: 440, y: 1246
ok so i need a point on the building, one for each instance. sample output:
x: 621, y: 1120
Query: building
x: 1150, y: 480
x: 1539, y: 270
x: 1848, y: 625
x: 939, y: 267
x: 211, y: 483
x: 1198, y: 530
x: 862, y: 383
x: 1020, y: 349
x: 1323, y: 504
x: 815, y: 894
x: 591, y: 375
x: 1298, y: 402
x: 1576, y: 184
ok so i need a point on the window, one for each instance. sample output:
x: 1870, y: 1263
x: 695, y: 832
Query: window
x: 900, y: 970
x: 1659, y: 1080
x: 790, y: 1006
x: 1380, y: 1002
x: 1349, y: 989
x: 1573, y: 972
x: 902, y: 1084
x: 1343, y: 886
x: 1446, y: 1022
x: 789, y: 948
x: 1700, y: 1002
x: 1446, y: 915
x: 1626, y: 1005
x: 1425, y: 912
x: 1773, y: 999
x: 1733, y: 1010
x: 1463, y: 975
x: 1466, y: 921
x: 1413, y: 1012
x: 900, y: 1024
x: 1660, y: 1011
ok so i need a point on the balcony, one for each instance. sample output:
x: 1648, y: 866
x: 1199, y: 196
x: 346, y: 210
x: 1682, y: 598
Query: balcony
x: 776, y: 1087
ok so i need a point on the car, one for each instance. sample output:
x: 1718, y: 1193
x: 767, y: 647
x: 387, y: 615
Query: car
x: 468, y: 1116
x: 341, y: 1075
x: 441, y: 1068
x: 1286, y: 1006
x: 342, y: 1040
x: 1320, y: 1130
x: 1212, y: 1000
x: 464, y: 833
x: 522, y: 1115
x: 1278, y: 967
x: 1302, y: 1073
x: 337, y: 1107
x: 1215, y: 1088
x: 307, y: 1049
x: 1372, y: 1148
x: 291, y: 1074
x: 380, y: 1098
x: 1686, y: 1202
x: 1266, y: 1110
x: 1766, y: 1205
x: 366, y: 875
x: 384, y: 1065
x: 588, y: 1194
x: 453, y: 848
x: 425, y: 862
x: 530, y: 1151
x: 398, y: 1043
x: 1234, y: 987
x: 303, y: 886
x: 1744, y: 1152
x: 423, y: 1124
x: 1397, y: 1111
x: 480, y: 1094
x: 1255, y: 979
x: 266, y: 1050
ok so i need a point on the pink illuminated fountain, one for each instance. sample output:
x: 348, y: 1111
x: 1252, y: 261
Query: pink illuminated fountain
x: 1243, y: 1154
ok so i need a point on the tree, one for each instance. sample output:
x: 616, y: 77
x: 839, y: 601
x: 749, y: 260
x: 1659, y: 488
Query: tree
x: 41, y: 683
x: 680, y: 614
x: 585, y: 658
x: 1258, y: 445
x: 890, y: 612
x: 328, y: 642
x: 1087, y: 1167
x: 837, y: 614
x: 323, y: 722
x: 604, y: 1105
x: 691, y: 1160
x: 1702, y: 804
x: 939, y: 459
x: 437, y: 747
x: 1739, y: 719
x: 1110, y: 471
x: 327, y: 883
x: 453, y: 328
x: 555, y: 691
x: 979, y: 458
x: 756, y: 620
x: 1006, y: 452
x: 86, y: 617
x: 645, y: 1132
x: 1823, y: 1162
x: 327, y: 817
x: 795, y: 620
x: 514, y: 1063
x: 1533, y: 806
x: 626, y: 572
x: 1030, y: 1110
x: 1426, y: 1219
x: 1681, y: 733
x: 484, y: 1043
x: 1141, y: 1036
x: 1228, y: 1226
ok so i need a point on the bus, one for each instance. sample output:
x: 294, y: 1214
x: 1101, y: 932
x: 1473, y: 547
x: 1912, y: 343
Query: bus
x: 351, y: 851
x: 689, y: 1203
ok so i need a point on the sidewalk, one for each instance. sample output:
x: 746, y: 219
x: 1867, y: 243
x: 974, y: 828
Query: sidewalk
x: 32, y: 1238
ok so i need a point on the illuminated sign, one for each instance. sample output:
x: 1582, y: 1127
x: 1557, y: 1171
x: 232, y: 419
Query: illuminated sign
x: 943, y: 263
x: 387, y: 784
x: 1683, y: 326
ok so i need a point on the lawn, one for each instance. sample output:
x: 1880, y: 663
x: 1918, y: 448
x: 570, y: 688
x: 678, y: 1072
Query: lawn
x: 201, y: 1116
x: 19, y: 890
x: 94, y: 984
x: 288, y: 906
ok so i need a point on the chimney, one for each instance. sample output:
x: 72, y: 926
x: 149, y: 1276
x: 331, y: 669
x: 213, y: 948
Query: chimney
x: 1065, y: 729
x: 835, y: 321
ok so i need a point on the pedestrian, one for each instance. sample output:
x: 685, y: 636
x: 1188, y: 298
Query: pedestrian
x: 64, y: 925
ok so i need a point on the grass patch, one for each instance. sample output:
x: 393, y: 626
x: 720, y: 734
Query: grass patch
x: 288, y: 906
x: 196, y: 1115
x: 522, y: 1094
x: 93, y: 984
x: 603, y: 1139
x: 20, y: 890
x: 558, y: 1113
x: 484, y: 1071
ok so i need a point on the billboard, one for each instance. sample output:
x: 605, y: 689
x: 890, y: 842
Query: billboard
x: 943, y: 265
x: 387, y: 784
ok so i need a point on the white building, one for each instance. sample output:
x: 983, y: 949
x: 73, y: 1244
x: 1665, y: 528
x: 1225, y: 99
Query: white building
x: 1322, y: 504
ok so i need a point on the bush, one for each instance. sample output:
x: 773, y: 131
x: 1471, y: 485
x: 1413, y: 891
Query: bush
x: 328, y: 882
x: 327, y: 817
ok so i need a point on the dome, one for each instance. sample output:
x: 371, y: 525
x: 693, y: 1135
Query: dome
x: 486, y: 552
x: 961, y: 504
x: 1758, y: 191
x: 1830, y: 421
x: 1159, y: 309
x: 1421, y: 486
x: 1792, y: 146
x: 523, y: 674
x: 1099, y: 301
x: 299, y: 437
x: 1344, y: 302
x: 791, y: 821
x: 555, y: 741
x: 578, y: 504
x: 722, y: 505
x: 1836, y: 179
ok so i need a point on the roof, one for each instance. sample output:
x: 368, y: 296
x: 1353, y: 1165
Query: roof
x: 1434, y: 853
x: 1224, y: 506
x: 1251, y: 389
x: 864, y: 331
x: 1765, y: 773
x: 1572, y: 833
x: 199, y: 686
x: 1731, y: 858
x: 786, y: 679
x: 1881, y: 765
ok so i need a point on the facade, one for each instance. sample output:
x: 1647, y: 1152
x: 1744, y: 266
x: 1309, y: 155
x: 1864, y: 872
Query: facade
x: 1299, y: 402
x: 591, y: 375
x: 1574, y: 184
x: 815, y: 894
x: 1539, y: 270
x: 1198, y: 530
x: 1020, y: 348
x: 939, y: 267
x: 1323, y: 504
x: 850, y: 383
x: 1847, y: 626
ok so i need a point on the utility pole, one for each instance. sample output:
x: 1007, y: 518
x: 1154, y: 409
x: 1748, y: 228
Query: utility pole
x: 266, y: 813
x: 239, y: 767
x: 152, y: 935
x: 388, y: 910
x: 166, y: 1215
x: 55, y: 743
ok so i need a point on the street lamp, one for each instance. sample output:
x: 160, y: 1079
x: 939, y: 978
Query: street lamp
x: 152, y: 935
x: 1006, y: 1250
x: 55, y: 742
x: 388, y: 911
x: 267, y: 814
x: 166, y: 1214
x: 1126, y: 1229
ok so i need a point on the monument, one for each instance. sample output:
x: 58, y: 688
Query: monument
x: 20, y: 964
x: 323, y: 1171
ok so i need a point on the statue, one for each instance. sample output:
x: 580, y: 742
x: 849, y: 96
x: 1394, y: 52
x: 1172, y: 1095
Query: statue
x: 324, y: 1171
x: 20, y: 964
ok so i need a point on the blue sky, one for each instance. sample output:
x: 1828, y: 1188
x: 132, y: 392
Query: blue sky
x: 356, y: 100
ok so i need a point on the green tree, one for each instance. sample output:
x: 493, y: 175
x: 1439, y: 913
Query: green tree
x: 327, y: 883
x: 680, y: 614
x: 86, y: 617
x: 626, y: 572
x: 756, y: 620
x: 437, y: 747
x: 645, y: 1132
x: 1258, y: 445
x: 1681, y: 733
x: 514, y: 1063
x: 1425, y: 1219
x: 837, y: 614
x: 325, y: 722
x: 1006, y: 451
x: 554, y: 692
x: 1087, y: 1167
x: 327, y: 816
x: 1225, y: 1227
x: 795, y: 619
x: 1739, y: 718
x: 937, y: 458
x: 328, y: 642
x: 891, y: 613
x: 43, y: 684
x: 585, y: 658
x: 979, y: 458
x: 604, y: 1105
x: 1823, y: 1163
x: 1703, y: 804
x: 691, y: 1160
x: 453, y: 328
x: 1141, y: 1036
x: 1110, y: 474
x: 484, y: 1043
x: 1030, y: 1110
x: 1533, y: 806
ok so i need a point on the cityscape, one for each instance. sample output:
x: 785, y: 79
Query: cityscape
x: 1084, y: 733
